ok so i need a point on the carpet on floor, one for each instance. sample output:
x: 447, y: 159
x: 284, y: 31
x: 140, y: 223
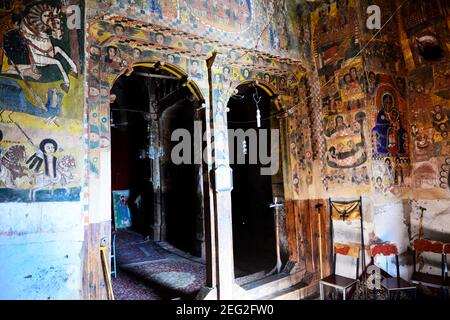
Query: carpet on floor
x: 126, y: 237
x: 176, y: 278
x: 127, y: 287
x: 142, y: 252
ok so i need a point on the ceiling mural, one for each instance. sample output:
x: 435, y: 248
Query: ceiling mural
x: 258, y: 24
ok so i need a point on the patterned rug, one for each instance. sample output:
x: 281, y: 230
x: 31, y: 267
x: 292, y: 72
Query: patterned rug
x: 126, y: 287
x: 138, y: 253
x: 132, y: 248
x: 173, y: 278
x: 126, y: 237
x: 157, y: 273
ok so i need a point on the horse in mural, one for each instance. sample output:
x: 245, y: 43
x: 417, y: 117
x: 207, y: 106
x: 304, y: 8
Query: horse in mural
x: 11, y: 167
x: 30, y: 45
x: 14, y: 100
x: 64, y: 175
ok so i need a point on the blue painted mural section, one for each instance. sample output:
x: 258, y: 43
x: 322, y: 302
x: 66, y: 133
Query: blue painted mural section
x: 13, y: 99
x: 57, y: 195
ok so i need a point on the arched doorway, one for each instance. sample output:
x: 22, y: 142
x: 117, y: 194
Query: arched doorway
x: 255, y: 226
x: 165, y: 200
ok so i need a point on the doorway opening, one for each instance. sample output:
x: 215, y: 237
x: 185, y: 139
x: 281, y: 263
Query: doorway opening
x: 157, y: 205
x: 255, y: 241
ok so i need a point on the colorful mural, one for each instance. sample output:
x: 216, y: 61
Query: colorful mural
x: 389, y: 138
x: 41, y: 63
x: 253, y: 24
x: 118, y: 44
x: 231, y: 16
x: 122, y: 214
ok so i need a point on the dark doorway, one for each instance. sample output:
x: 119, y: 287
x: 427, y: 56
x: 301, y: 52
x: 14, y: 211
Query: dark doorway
x: 254, y: 241
x: 182, y: 194
x: 164, y: 199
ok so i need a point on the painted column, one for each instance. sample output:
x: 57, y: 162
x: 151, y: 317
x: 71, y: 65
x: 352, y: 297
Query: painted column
x: 222, y: 200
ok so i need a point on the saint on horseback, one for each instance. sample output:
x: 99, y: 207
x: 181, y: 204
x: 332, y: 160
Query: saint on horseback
x: 29, y: 45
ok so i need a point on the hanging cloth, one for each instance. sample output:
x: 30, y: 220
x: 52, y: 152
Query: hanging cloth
x: 345, y: 210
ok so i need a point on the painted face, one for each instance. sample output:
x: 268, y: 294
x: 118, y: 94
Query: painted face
x: 56, y: 28
x: 347, y: 78
x: 104, y: 142
x: 49, y: 148
x: 111, y: 52
x: 171, y: 59
x: 118, y: 30
x: 387, y: 101
x: 194, y: 66
x: 159, y: 39
x: 93, y: 92
x: 45, y: 17
x: 95, y: 51
x: 198, y: 48
x: 136, y: 53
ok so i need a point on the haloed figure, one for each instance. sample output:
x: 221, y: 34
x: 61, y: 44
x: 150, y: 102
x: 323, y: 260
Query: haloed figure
x: 45, y: 155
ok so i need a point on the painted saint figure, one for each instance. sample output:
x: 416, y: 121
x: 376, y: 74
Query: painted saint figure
x: 45, y: 155
x: 389, y: 138
x: 31, y: 44
x: 55, y: 171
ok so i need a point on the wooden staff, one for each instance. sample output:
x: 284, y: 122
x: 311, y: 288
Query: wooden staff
x: 318, y: 206
x: 106, y: 273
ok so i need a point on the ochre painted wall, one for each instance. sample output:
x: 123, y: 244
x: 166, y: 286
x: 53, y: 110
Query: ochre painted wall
x: 42, y: 149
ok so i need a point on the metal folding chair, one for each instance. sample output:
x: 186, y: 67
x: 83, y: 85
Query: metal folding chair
x: 113, y: 255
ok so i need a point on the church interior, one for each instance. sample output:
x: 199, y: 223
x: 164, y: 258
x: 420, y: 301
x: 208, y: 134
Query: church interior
x: 225, y: 150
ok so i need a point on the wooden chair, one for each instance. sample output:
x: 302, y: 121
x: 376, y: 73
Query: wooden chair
x: 395, y: 284
x: 344, y: 211
x: 429, y: 280
x: 336, y: 281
